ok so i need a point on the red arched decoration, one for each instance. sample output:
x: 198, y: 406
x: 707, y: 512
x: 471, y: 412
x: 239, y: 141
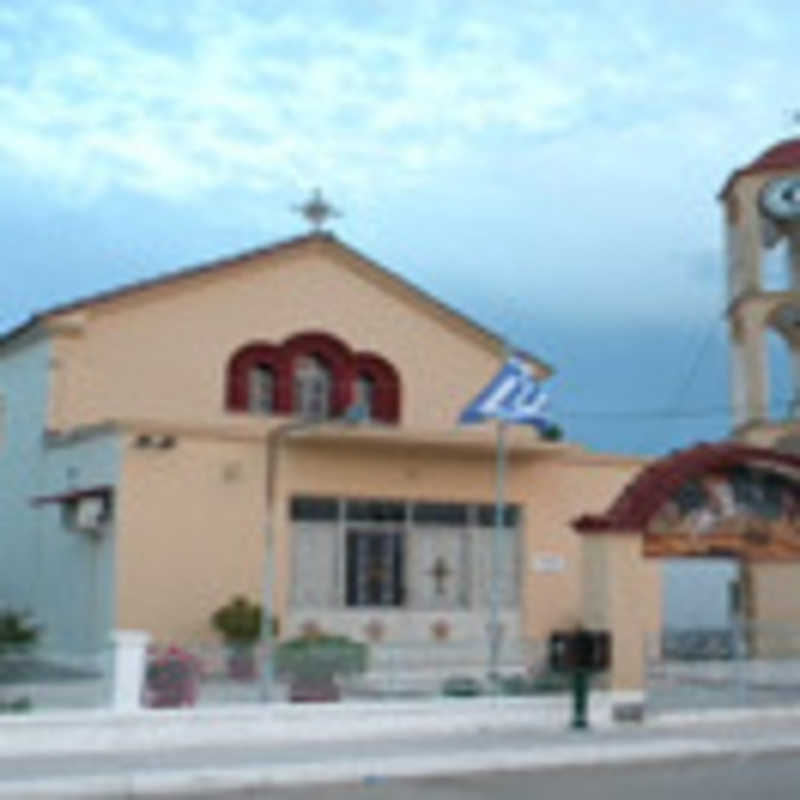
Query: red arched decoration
x: 344, y: 365
x: 336, y: 355
x: 386, y: 404
x: 254, y: 355
x: 641, y: 499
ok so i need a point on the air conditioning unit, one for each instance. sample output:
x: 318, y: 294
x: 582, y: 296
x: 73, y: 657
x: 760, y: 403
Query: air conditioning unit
x: 89, y: 514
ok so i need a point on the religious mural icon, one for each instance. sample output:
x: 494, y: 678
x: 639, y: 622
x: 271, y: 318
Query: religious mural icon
x: 744, y: 510
x: 725, y: 499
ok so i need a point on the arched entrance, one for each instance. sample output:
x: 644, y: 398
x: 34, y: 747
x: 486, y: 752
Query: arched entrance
x: 726, y: 508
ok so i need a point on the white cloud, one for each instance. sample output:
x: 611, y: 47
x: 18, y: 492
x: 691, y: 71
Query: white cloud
x: 215, y: 95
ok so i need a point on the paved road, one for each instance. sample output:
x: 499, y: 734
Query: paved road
x: 768, y: 777
x: 461, y: 748
x: 160, y: 771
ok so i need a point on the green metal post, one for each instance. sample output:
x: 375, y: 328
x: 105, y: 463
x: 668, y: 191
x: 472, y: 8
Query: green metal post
x: 580, y: 699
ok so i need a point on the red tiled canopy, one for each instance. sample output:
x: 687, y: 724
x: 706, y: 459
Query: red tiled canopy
x: 642, y: 498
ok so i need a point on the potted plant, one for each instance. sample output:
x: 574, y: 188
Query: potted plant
x: 312, y: 662
x: 171, y: 679
x: 239, y: 622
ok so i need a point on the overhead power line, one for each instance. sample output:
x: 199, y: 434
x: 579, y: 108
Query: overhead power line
x: 674, y: 409
x: 664, y: 413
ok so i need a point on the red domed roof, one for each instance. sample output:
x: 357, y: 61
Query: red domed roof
x: 783, y: 155
x: 779, y: 156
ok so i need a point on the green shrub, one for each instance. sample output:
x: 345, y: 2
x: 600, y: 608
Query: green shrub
x: 16, y: 706
x: 320, y: 656
x: 17, y: 632
x: 239, y: 621
x: 461, y: 686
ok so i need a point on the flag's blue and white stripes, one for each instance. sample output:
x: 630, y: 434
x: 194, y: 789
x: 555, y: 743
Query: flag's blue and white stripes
x: 513, y: 395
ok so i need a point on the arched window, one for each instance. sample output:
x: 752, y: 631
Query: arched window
x: 378, y: 383
x: 261, y: 389
x: 312, y: 388
x: 364, y: 394
x: 258, y: 380
x: 312, y: 374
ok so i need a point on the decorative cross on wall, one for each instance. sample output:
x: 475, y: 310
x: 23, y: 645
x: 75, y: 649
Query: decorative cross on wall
x: 440, y: 572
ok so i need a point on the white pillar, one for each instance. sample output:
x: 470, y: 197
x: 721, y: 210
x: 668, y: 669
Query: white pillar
x: 130, y: 661
x: 754, y: 355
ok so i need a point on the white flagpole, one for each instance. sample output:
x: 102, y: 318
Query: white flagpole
x: 495, y: 629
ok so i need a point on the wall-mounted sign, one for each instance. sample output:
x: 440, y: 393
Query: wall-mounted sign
x: 548, y: 562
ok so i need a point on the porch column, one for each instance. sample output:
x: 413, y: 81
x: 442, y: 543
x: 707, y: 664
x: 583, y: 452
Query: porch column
x: 130, y: 663
x: 614, y: 591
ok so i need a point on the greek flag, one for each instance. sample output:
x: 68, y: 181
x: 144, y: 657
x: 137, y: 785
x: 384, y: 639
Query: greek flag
x: 513, y: 395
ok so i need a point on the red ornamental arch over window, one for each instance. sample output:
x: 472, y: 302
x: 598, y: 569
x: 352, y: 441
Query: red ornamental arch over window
x: 383, y: 392
x: 291, y: 377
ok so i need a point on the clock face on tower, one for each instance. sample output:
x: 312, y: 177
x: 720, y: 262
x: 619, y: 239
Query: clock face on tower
x: 780, y: 199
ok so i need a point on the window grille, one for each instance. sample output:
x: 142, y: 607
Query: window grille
x: 261, y: 390
x: 375, y: 566
x: 313, y: 385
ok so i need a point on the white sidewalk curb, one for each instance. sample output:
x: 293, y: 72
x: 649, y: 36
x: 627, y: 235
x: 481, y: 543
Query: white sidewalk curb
x: 676, y: 719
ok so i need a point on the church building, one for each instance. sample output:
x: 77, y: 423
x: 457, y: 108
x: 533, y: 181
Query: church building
x: 280, y: 424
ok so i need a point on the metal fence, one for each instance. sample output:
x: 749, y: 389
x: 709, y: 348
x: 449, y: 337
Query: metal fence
x: 753, y: 664
x: 205, y: 674
x: 37, y: 680
x: 40, y: 680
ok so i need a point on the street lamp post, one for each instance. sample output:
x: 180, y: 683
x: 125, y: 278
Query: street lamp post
x: 495, y: 626
x: 275, y: 438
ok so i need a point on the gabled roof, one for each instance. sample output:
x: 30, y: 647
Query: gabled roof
x: 783, y: 155
x: 644, y: 496
x: 239, y: 260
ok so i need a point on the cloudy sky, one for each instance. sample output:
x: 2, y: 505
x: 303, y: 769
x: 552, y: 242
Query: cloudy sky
x: 548, y: 167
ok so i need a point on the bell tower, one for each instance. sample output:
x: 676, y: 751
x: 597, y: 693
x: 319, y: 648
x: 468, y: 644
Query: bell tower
x: 761, y: 203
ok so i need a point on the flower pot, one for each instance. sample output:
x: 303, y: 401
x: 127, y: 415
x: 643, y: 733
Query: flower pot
x: 171, y: 681
x: 242, y: 662
x: 316, y: 689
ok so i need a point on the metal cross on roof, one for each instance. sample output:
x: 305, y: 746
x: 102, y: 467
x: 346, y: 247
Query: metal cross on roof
x: 317, y: 210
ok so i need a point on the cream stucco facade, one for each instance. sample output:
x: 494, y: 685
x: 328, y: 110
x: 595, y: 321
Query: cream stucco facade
x: 143, y: 376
